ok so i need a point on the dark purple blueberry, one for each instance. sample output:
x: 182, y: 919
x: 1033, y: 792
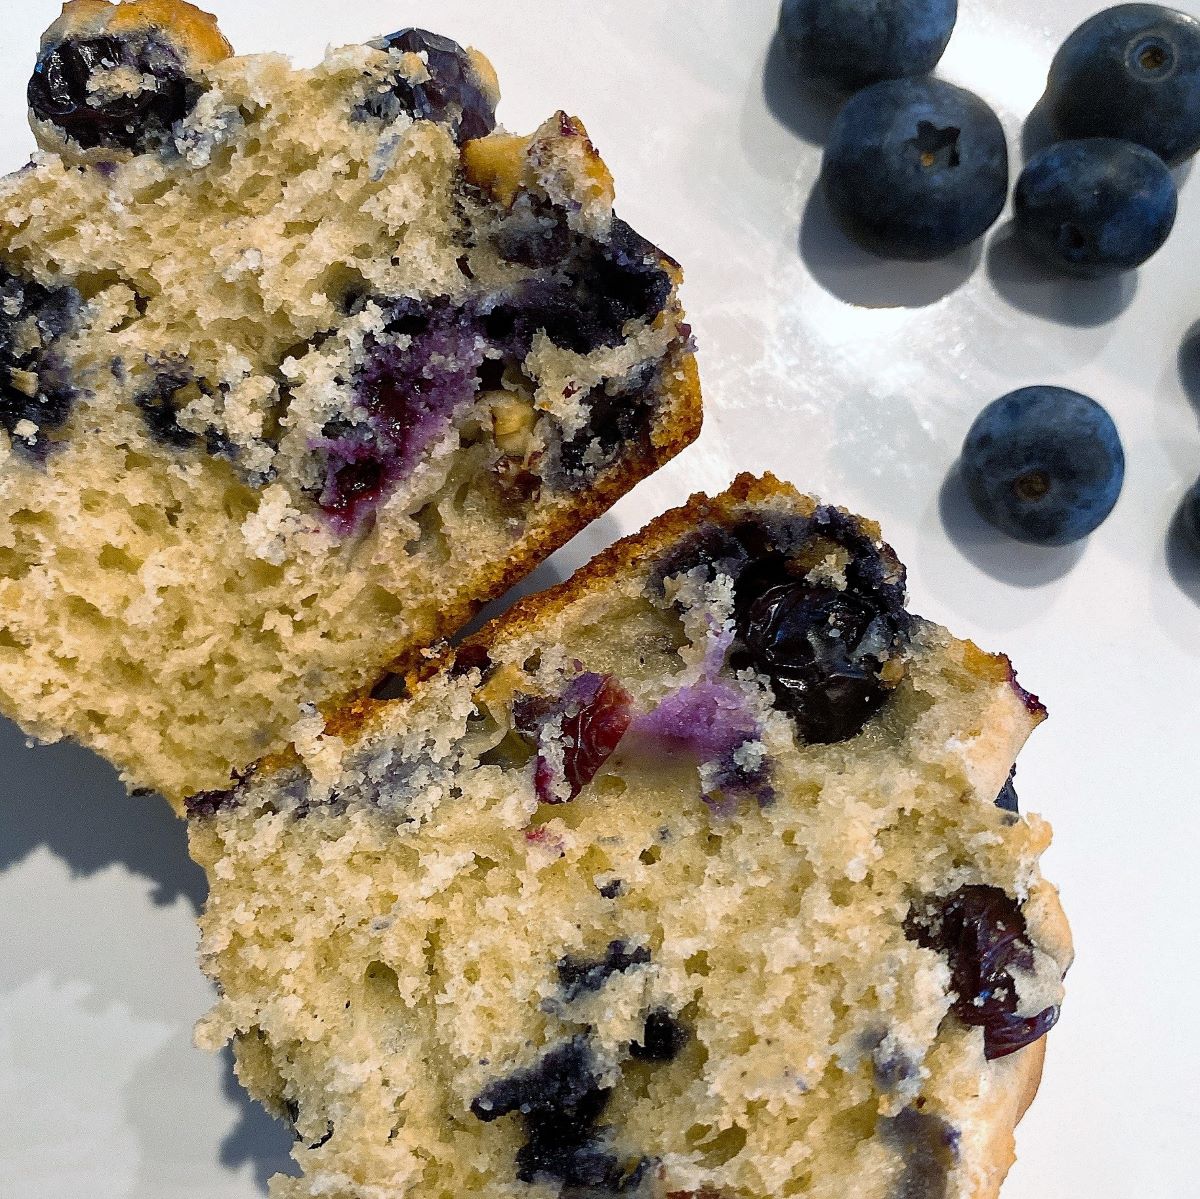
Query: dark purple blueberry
x: 662, y: 1038
x: 35, y: 384
x: 981, y: 931
x: 1095, y: 207
x: 1044, y: 465
x: 559, y: 1100
x: 1007, y: 801
x: 916, y: 168
x: 411, y: 386
x: 825, y: 652
x: 929, y: 1147
x: 847, y: 44
x: 581, y: 976
x: 589, y: 299
x: 612, y: 889
x: 589, y: 719
x: 453, y: 95
x: 711, y: 547
x: 62, y: 91
x: 619, y: 419
x: 1131, y: 72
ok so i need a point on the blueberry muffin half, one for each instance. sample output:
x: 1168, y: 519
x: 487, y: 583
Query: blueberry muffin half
x: 700, y: 875
x: 297, y: 369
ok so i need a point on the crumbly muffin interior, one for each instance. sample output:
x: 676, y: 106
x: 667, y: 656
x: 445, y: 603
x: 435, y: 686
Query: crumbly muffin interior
x: 294, y: 376
x: 589, y: 913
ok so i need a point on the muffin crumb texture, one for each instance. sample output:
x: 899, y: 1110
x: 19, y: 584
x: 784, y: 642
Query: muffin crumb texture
x: 297, y: 369
x: 611, y: 903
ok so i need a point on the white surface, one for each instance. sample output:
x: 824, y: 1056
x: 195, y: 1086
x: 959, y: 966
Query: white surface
x: 844, y: 374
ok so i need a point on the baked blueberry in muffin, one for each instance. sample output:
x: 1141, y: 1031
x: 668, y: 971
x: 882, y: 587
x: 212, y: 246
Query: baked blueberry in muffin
x: 298, y: 368
x: 685, y: 878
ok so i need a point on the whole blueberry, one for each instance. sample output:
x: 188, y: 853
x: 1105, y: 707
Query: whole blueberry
x: 916, y: 168
x: 1131, y: 72
x: 847, y: 44
x: 1044, y: 465
x: 1096, y: 207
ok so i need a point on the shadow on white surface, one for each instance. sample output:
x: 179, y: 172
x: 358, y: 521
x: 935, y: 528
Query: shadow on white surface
x: 1052, y: 295
x: 1189, y: 366
x: 257, y: 1139
x: 65, y: 798
x: 806, y: 111
x: 856, y: 276
x: 1001, y: 557
x: 1183, y: 557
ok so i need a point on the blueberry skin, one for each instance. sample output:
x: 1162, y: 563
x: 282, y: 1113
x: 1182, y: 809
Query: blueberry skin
x: 1096, y: 207
x: 916, y: 168
x: 1131, y: 72
x: 1044, y: 465
x: 847, y: 44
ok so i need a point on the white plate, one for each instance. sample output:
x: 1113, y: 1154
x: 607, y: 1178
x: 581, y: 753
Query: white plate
x: 844, y: 374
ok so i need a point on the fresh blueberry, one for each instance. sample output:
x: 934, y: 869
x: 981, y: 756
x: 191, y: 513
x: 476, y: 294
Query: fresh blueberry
x: 1044, y: 465
x: 1096, y: 207
x: 849, y: 43
x: 916, y: 168
x: 1131, y: 72
x: 452, y: 95
x: 67, y: 89
x: 983, y: 935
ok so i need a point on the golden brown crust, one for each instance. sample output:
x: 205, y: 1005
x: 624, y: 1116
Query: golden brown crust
x: 190, y: 28
x: 677, y: 427
x: 619, y: 558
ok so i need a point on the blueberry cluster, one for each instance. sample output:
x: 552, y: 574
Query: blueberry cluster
x: 916, y: 168
x: 560, y: 1100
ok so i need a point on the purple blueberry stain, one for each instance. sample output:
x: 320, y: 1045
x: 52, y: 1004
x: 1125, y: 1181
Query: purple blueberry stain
x: 410, y: 389
x: 929, y: 1147
x: 711, y: 721
x: 583, y: 976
